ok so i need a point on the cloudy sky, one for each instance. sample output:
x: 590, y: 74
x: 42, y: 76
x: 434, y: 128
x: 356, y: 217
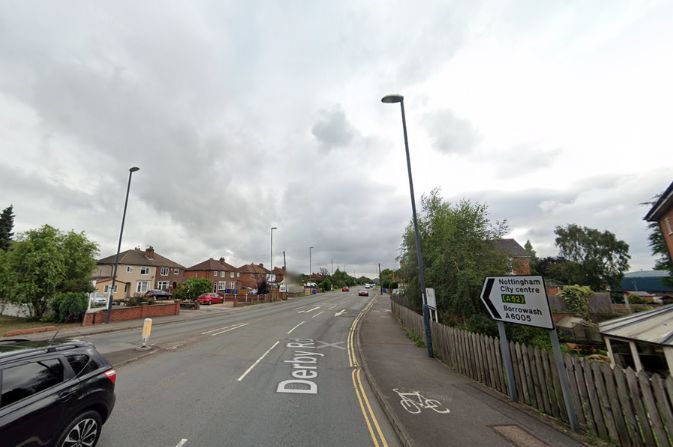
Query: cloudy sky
x: 247, y: 115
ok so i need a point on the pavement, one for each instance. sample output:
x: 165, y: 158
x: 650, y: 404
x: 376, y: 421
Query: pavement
x: 429, y: 405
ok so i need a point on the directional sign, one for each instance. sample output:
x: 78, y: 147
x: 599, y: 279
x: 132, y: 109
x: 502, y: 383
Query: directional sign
x: 518, y: 299
x: 430, y: 298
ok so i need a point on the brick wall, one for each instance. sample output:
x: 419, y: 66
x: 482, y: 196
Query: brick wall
x: 132, y: 313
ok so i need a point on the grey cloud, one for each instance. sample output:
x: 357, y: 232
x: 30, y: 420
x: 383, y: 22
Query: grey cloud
x: 529, y: 158
x: 332, y: 129
x: 450, y: 133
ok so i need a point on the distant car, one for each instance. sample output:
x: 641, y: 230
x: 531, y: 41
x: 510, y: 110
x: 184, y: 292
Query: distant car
x: 54, y: 394
x: 158, y: 294
x: 98, y: 298
x: 210, y: 298
x: 345, y: 289
x: 363, y: 293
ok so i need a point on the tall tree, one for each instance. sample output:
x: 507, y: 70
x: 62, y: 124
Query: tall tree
x: 660, y: 250
x: 533, y: 257
x: 602, y: 256
x: 458, y: 253
x: 6, y: 227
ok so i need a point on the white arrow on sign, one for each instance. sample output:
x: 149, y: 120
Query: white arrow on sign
x: 518, y: 299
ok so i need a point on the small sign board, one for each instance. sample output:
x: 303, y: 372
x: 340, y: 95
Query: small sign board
x: 430, y: 298
x: 518, y: 299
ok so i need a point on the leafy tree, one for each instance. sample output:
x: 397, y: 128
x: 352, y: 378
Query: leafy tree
x: 325, y: 285
x: 603, y: 257
x: 533, y: 257
x: 192, y: 288
x: 79, y: 255
x: 561, y: 270
x: 576, y: 299
x: 6, y: 277
x: 660, y: 250
x: 6, y: 227
x: 69, y: 306
x: 458, y: 252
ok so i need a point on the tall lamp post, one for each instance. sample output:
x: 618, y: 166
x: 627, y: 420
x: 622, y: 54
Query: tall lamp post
x: 392, y: 99
x: 271, y: 266
x: 119, y: 245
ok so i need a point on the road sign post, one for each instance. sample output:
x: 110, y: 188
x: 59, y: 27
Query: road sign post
x: 432, y: 302
x: 523, y: 300
x: 147, y: 330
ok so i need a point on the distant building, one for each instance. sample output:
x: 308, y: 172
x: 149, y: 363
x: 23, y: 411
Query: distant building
x: 646, y: 281
x: 662, y: 212
x: 252, y: 275
x: 518, y: 257
x: 221, y: 275
x: 138, y: 271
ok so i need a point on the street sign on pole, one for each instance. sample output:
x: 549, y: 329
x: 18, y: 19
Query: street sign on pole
x: 430, y: 298
x: 518, y: 299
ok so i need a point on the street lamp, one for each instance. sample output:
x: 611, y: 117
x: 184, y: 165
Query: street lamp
x: 392, y: 99
x: 271, y: 267
x: 119, y: 246
x: 310, y: 271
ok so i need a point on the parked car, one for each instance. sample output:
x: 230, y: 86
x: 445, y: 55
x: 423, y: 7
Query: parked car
x: 363, y: 292
x: 55, y: 394
x: 345, y: 289
x: 210, y: 298
x: 158, y: 294
x: 98, y: 298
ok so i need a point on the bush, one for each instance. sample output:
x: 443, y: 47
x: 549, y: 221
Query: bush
x: 69, y: 306
x: 576, y: 299
x: 325, y: 285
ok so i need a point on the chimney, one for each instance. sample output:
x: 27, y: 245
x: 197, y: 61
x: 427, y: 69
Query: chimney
x: 222, y: 260
x: 149, y: 252
x: 261, y: 265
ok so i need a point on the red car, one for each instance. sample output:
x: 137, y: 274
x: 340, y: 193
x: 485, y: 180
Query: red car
x: 210, y: 298
x: 363, y: 292
x: 345, y: 289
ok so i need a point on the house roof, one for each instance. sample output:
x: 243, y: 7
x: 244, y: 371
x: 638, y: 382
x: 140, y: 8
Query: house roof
x: 253, y: 268
x: 652, y: 326
x: 512, y: 248
x: 213, y: 265
x: 664, y: 203
x: 139, y: 257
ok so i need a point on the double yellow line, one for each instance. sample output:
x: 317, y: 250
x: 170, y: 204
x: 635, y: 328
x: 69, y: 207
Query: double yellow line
x: 378, y: 439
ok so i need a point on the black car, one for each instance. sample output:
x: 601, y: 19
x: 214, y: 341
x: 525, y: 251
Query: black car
x: 158, y: 294
x: 53, y: 394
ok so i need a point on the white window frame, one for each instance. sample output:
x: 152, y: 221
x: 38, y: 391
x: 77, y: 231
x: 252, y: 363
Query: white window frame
x: 215, y: 273
x: 142, y: 286
x: 669, y: 226
x: 129, y: 269
x: 221, y: 285
x: 107, y: 288
x: 176, y: 271
x: 146, y: 268
x: 238, y: 274
x: 232, y: 285
x: 165, y: 271
x: 163, y: 285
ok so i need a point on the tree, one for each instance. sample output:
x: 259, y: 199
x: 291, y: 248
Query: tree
x: 192, y: 288
x: 6, y: 227
x: 576, y: 299
x: 561, y: 270
x: 79, y: 256
x: 603, y: 257
x: 533, y: 257
x: 458, y: 252
x: 660, y: 250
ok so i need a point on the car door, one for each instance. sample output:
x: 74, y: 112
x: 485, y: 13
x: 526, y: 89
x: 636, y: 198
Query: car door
x: 33, y: 396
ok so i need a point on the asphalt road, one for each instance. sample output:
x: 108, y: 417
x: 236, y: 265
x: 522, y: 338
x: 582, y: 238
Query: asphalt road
x: 268, y: 375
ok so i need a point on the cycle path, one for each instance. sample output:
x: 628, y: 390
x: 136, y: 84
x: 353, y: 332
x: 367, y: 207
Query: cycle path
x: 431, y: 406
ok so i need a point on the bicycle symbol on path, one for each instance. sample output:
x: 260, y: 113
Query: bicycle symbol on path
x: 414, y: 403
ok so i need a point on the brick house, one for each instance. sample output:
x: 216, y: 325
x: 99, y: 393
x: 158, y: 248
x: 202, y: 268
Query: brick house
x: 252, y: 275
x: 221, y: 275
x: 279, y: 274
x: 138, y: 271
x: 518, y: 257
x: 662, y: 212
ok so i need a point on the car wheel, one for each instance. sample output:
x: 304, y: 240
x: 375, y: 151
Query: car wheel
x: 84, y: 431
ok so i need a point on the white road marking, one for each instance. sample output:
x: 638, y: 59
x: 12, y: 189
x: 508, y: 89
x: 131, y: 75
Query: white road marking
x: 307, y: 311
x: 290, y: 331
x: 332, y: 307
x: 257, y: 361
x: 182, y: 442
x: 221, y: 328
x: 316, y: 314
x: 341, y: 312
x: 230, y: 329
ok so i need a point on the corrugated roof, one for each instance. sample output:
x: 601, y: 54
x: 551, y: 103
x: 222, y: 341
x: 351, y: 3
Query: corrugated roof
x: 652, y: 326
x: 648, y: 281
x: 511, y: 247
x: 213, y: 265
x: 659, y: 208
x: 139, y: 257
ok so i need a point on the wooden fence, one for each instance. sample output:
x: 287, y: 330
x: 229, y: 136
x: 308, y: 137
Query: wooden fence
x: 617, y: 405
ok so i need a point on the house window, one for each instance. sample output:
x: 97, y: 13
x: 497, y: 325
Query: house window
x: 163, y: 285
x: 215, y: 274
x: 221, y: 285
x: 164, y: 271
x: 107, y: 288
x: 231, y: 274
x: 221, y: 274
x: 232, y: 285
x: 126, y: 288
x: 238, y: 274
x: 144, y: 270
x: 129, y: 269
x: 669, y: 227
x: 142, y: 286
x: 176, y: 271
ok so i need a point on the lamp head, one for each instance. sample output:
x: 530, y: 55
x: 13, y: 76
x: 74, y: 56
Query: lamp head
x: 274, y: 228
x: 134, y: 169
x: 391, y: 99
